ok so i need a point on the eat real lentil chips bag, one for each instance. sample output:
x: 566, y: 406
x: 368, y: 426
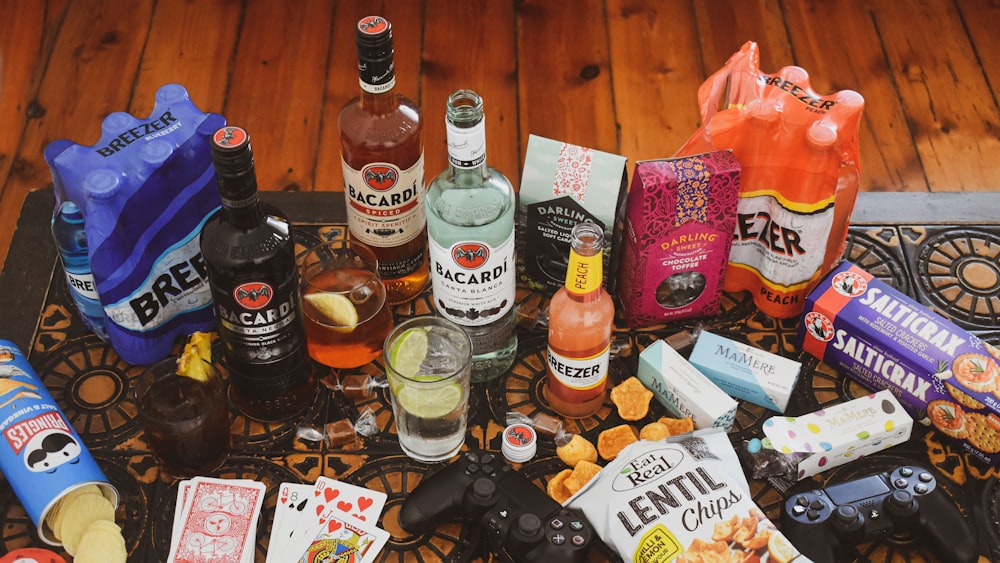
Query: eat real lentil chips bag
x: 684, y: 499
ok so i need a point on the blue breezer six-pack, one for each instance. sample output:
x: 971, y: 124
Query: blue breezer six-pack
x: 146, y: 188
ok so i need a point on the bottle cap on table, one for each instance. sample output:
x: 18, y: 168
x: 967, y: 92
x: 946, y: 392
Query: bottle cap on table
x: 519, y: 443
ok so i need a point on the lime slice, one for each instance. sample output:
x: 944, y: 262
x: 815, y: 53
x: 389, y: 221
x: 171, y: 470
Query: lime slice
x: 336, y: 309
x: 434, y: 402
x: 409, y: 352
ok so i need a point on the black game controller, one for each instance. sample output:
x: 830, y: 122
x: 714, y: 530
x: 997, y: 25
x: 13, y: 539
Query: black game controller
x: 521, y: 522
x: 823, y: 522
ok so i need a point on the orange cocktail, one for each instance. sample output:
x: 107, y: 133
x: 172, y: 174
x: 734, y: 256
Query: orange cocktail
x: 344, y: 304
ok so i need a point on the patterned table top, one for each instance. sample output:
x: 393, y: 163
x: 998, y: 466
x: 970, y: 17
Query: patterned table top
x: 91, y: 383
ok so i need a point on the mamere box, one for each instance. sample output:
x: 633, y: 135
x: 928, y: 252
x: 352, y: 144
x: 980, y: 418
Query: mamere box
x: 835, y: 435
x: 746, y: 372
x: 683, y: 389
x: 942, y: 374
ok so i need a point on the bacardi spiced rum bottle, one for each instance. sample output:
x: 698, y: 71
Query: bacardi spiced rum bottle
x: 253, y: 274
x: 470, y: 220
x: 581, y: 315
x: 383, y: 162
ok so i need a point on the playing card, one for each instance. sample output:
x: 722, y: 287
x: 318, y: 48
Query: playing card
x: 220, y: 518
x: 290, y: 504
x: 182, y: 490
x: 345, y: 539
x: 334, y: 498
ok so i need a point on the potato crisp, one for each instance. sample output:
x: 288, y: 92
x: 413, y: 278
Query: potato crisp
x: 614, y: 440
x: 576, y: 450
x: 632, y: 399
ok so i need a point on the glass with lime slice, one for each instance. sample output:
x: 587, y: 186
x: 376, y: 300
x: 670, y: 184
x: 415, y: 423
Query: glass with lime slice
x: 428, y: 363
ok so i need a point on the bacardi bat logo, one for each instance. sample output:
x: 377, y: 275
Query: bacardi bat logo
x: 380, y: 177
x: 229, y: 136
x: 519, y: 435
x: 373, y: 25
x: 470, y: 255
x: 253, y: 295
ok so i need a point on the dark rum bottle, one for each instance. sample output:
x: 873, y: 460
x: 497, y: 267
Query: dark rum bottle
x: 383, y: 162
x: 250, y: 257
x: 581, y: 315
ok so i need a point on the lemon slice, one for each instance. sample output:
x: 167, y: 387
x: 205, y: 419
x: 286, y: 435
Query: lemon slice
x: 435, y: 402
x: 409, y: 351
x: 336, y: 309
x: 780, y: 549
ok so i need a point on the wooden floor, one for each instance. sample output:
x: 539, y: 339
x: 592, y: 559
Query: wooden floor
x: 616, y: 75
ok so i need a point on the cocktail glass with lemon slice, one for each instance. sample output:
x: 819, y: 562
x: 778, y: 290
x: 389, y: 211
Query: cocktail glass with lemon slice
x: 428, y: 363
x: 343, y: 302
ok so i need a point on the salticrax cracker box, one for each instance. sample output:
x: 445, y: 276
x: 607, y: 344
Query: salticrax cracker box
x: 679, y: 224
x: 562, y: 185
x: 746, y: 372
x: 683, y: 389
x: 942, y: 374
x: 836, y: 435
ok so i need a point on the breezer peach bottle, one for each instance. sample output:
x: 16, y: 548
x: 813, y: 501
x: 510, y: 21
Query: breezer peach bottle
x: 581, y: 316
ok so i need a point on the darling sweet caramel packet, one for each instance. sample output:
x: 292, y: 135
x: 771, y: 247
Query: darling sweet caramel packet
x: 798, y: 151
x: 680, y: 499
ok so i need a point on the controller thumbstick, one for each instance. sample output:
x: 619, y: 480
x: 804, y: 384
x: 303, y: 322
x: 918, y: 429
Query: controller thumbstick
x: 848, y: 518
x: 483, y: 489
x: 529, y: 525
x: 902, y: 506
x: 480, y: 496
x: 527, y: 531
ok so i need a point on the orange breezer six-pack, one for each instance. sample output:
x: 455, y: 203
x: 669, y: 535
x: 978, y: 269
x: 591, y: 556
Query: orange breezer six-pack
x: 800, y: 174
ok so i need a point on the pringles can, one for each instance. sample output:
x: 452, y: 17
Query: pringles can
x: 41, y: 455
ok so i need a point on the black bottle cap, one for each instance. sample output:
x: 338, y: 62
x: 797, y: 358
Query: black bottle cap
x: 374, y: 36
x: 232, y: 157
x: 376, y: 67
x: 231, y: 152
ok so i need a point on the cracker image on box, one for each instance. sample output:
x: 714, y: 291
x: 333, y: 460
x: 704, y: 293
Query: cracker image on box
x: 679, y: 224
